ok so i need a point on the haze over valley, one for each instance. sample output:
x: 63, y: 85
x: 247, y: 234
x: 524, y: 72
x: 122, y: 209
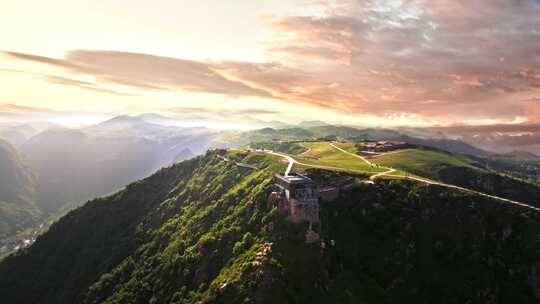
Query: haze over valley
x: 306, y: 151
x: 58, y: 167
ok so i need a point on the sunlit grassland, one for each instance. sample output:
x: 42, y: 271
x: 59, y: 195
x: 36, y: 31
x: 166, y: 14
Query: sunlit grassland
x: 323, y: 154
x: 347, y: 146
x: 272, y: 163
x: 423, y: 162
x: 419, y: 162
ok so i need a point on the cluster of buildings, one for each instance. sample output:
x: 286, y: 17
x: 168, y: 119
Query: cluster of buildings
x: 383, y: 146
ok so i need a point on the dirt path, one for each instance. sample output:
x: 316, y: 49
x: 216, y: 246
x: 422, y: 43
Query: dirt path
x: 353, y: 154
x: 305, y: 152
x: 293, y: 161
x: 385, y: 173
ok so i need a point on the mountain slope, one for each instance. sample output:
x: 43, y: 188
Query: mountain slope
x: 201, y: 231
x: 17, y: 209
x: 17, y: 134
x: 522, y: 165
x: 461, y: 170
x: 74, y: 165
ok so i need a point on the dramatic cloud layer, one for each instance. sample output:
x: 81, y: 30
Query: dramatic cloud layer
x: 459, y: 59
x: 145, y: 71
x: 68, y: 81
x: 445, y: 61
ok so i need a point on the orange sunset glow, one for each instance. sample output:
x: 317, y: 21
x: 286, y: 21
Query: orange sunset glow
x: 381, y: 63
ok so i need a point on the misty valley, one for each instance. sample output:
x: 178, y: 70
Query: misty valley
x: 262, y: 152
x: 153, y: 176
x: 49, y: 170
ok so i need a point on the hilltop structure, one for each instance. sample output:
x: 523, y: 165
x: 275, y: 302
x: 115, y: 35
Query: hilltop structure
x: 300, y: 195
x: 297, y: 197
x: 383, y: 146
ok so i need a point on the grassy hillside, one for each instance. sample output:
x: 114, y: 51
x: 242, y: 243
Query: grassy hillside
x: 474, y: 173
x: 323, y: 154
x: 460, y: 170
x: 455, y: 169
x: 201, y: 232
x: 236, y: 139
x: 424, y: 162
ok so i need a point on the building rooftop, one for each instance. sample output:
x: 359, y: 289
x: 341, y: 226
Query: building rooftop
x: 294, y: 178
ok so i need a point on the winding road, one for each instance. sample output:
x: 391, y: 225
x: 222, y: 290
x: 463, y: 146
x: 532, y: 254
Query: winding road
x: 385, y: 173
x: 293, y: 161
x: 389, y: 172
x: 353, y: 154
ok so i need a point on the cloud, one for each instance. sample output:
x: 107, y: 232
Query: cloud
x: 146, y: 72
x: 69, y: 82
x: 454, y: 60
x: 446, y: 61
x: 222, y: 112
x: 301, y: 38
x: 83, y: 85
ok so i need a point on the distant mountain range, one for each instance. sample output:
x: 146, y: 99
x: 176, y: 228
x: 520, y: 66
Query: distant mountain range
x: 497, y: 138
x: 72, y: 165
x: 69, y: 166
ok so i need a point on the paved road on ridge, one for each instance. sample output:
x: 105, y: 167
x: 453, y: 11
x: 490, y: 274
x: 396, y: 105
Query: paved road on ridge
x: 388, y: 173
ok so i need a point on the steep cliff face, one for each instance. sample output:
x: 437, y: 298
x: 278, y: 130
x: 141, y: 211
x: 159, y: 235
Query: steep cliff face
x: 201, y: 231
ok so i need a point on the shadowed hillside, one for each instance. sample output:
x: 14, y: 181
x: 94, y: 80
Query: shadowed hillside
x: 202, y: 231
x: 17, y: 193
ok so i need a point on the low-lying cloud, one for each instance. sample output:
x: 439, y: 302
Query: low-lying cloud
x: 220, y: 112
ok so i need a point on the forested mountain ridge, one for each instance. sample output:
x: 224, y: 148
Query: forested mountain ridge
x: 17, y: 192
x: 201, y: 231
x: 74, y: 165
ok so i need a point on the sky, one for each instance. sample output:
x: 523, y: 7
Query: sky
x: 372, y: 62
